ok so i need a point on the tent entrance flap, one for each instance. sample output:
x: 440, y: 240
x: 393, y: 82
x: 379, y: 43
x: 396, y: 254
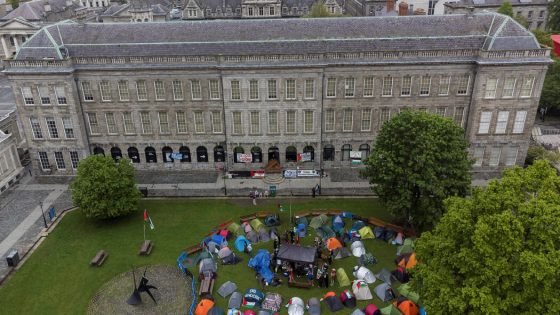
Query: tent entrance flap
x: 296, y: 253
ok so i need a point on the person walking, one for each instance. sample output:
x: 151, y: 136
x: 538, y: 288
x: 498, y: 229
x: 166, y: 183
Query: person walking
x: 313, y: 192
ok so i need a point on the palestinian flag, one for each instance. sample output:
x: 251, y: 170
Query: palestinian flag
x: 148, y: 220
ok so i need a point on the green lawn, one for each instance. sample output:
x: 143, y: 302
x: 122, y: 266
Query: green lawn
x: 57, y: 278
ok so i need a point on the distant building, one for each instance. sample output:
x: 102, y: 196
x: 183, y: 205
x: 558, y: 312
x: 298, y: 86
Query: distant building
x: 138, y: 11
x: 10, y: 166
x: 534, y: 11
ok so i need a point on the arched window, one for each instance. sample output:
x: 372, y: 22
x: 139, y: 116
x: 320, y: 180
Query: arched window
x: 116, y: 154
x: 291, y: 154
x: 151, y: 156
x: 166, y: 153
x: 133, y: 155
x: 236, y: 152
x: 201, y: 154
x: 256, y: 152
x: 273, y: 154
x: 311, y: 150
x: 328, y: 153
x: 219, y: 155
x: 98, y: 150
x: 364, y: 148
x: 186, y: 154
x: 346, y: 152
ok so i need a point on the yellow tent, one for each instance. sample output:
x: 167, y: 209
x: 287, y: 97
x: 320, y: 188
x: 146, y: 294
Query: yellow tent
x: 366, y: 233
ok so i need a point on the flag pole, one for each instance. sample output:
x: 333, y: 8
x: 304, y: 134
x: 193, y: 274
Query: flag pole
x: 144, y: 231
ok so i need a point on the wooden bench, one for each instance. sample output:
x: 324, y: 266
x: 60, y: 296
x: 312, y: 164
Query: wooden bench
x: 301, y: 285
x: 206, y: 286
x: 98, y: 259
x: 146, y: 248
x: 262, y: 214
x: 193, y: 249
x: 248, y: 217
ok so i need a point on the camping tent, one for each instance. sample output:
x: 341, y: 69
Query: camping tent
x: 252, y: 237
x: 272, y: 302
x: 407, y: 247
x: 384, y: 292
x: 407, y: 261
x: 216, y: 310
x: 314, y: 306
x: 246, y: 227
x: 241, y: 242
x: 342, y: 252
x: 367, y: 259
x: 406, y: 291
x: 401, y: 275
x: 235, y: 300
x: 218, y: 239
x: 253, y: 298
x: 263, y: 235
x: 362, y: 273
x: 207, y: 265
x: 203, y: 307
x: 342, y: 278
x: 356, y: 312
x: 227, y: 235
x: 333, y: 243
x: 302, y: 220
x: 233, y: 311
x: 296, y: 253
x: 407, y: 307
x: 338, y: 223
x: 361, y: 290
x: 348, y: 299
x: 357, y: 225
x: 261, y: 264
x: 371, y: 309
x: 301, y: 230
x: 257, y: 225
x: 272, y: 220
x: 358, y: 248
x: 224, y: 252
x: 325, y: 232
x: 366, y: 233
x: 390, y: 310
x: 334, y: 303
x: 235, y: 229
x: 295, y: 306
x: 227, y: 289
x: 249, y: 312
x: 399, y: 239
x: 385, y: 276
x: 274, y: 234
x: 318, y: 221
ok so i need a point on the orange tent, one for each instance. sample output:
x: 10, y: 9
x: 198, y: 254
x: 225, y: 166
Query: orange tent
x: 203, y: 307
x: 333, y: 243
x: 328, y: 294
x: 408, y: 262
x: 408, y: 308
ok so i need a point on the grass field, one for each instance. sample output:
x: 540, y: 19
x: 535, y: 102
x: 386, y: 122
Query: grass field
x: 57, y: 278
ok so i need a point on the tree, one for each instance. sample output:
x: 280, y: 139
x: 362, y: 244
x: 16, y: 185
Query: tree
x: 543, y: 37
x: 538, y: 152
x: 496, y: 252
x: 418, y: 160
x: 14, y: 3
x: 550, y: 95
x: 506, y: 9
x: 318, y: 10
x: 553, y: 23
x: 104, y: 189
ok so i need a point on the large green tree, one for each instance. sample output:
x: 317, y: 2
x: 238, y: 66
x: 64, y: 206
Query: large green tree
x: 550, y: 95
x: 506, y: 8
x: 418, y: 160
x: 104, y: 189
x: 553, y: 23
x: 318, y: 10
x: 497, y: 252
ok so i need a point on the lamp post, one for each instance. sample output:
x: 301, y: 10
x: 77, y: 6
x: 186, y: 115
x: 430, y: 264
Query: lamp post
x: 43, y: 213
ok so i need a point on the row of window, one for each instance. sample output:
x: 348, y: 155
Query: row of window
x: 509, y: 86
x: 52, y: 127
x: 59, y: 160
x: 497, y: 156
x: 502, y: 122
x: 44, y: 94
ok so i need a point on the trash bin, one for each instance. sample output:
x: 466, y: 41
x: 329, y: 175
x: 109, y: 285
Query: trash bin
x: 13, y: 258
x: 272, y: 190
x: 143, y: 191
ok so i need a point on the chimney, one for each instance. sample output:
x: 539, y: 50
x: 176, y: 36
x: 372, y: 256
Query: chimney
x: 47, y: 7
x: 419, y: 11
x: 403, y: 8
x: 390, y: 5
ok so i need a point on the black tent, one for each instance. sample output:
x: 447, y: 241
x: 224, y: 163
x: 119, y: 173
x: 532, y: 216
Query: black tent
x: 297, y: 254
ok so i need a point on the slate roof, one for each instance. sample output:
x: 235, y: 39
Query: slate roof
x: 489, y: 31
x: 35, y: 10
x: 493, y: 3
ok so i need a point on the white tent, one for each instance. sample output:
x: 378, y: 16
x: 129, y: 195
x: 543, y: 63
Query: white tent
x: 364, y: 274
x: 358, y: 248
x: 361, y: 290
x: 296, y: 306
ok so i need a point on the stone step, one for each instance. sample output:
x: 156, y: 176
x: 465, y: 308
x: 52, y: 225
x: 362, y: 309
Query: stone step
x: 273, y: 179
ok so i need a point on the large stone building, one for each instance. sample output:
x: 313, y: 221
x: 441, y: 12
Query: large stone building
x: 237, y: 94
x: 10, y: 166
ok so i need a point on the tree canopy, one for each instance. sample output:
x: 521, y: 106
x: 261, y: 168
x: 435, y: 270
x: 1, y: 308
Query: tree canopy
x: 550, y: 95
x: 418, y: 160
x: 104, y: 189
x: 318, y: 10
x: 496, y: 252
x: 553, y: 23
x: 506, y: 9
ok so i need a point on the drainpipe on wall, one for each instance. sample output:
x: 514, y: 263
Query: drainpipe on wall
x: 81, y: 108
x: 321, y: 127
x: 226, y: 152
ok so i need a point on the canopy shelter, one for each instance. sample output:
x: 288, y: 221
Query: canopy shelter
x: 319, y: 221
x: 297, y: 253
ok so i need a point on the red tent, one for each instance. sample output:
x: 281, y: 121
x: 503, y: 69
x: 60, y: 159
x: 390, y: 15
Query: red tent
x: 371, y: 309
x: 556, y: 42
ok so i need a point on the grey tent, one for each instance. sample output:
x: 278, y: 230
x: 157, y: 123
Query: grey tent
x: 341, y: 252
x: 325, y: 232
x: 207, y: 265
x: 216, y: 310
x: 302, y: 220
x: 384, y: 292
x: 224, y: 252
x: 358, y: 312
x: 212, y: 246
x: 252, y: 237
x: 235, y: 300
x: 334, y: 303
x: 263, y: 235
x: 314, y: 306
x: 318, y: 221
x: 272, y: 302
x: 274, y: 234
x: 264, y: 312
x: 296, y: 253
x: 227, y: 289
x: 385, y: 276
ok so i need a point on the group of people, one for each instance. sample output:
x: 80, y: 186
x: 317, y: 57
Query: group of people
x: 258, y: 194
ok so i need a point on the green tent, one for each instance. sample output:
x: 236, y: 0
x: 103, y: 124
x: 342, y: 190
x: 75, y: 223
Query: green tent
x: 342, y: 278
x: 235, y: 229
x: 407, y: 247
x: 325, y: 232
x: 406, y: 291
x: 257, y: 225
x: 390, y: 310
x: 319, y: 221
x: 366, y: 233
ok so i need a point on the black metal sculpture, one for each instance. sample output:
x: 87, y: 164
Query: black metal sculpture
x: 143, y: 286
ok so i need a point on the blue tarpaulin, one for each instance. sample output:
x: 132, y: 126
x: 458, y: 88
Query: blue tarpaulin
x: 261, y: 264
x: 240, y: 243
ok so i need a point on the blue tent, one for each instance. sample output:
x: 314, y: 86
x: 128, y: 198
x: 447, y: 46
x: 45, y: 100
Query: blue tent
x: 218, y: 239
x: 358, y: 225
x: 338, y: 223
x: 347, y: 215
x: 240, y: 243
x: 261, y: 264
x: 301, y: 230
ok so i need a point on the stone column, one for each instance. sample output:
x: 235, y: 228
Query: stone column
x: 5, y: 47
x: 16, y: 42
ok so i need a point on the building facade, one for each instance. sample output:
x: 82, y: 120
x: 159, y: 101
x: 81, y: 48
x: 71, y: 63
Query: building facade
x: 10, y: 166
x: 226, y: 96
